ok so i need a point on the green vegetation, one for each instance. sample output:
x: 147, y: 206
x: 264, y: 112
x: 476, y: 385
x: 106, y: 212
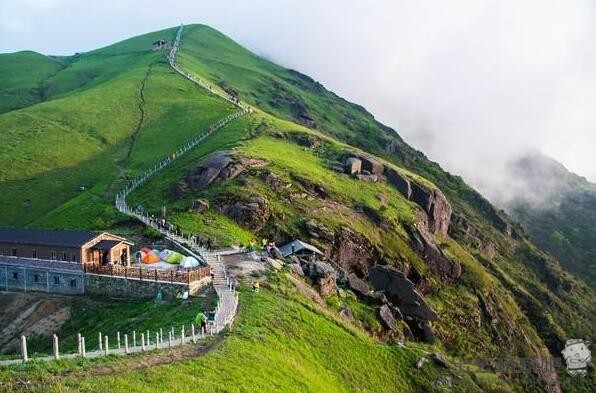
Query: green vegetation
x: 283, y: 342
x: 88, y: 132
x: 90, y: 316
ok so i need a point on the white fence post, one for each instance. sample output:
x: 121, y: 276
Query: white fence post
x: 156, y: 340
x: 100, y: 342
x: 79, y: 348
x: 56, y: 348
x: 192, y: 333
x: 24, y: 349
x: 182, y: 335
x: 143, y: 342
x: 170, y: 340
x: 106, y: 345
x: 126, y: 344
x: 118, y: 339
x: 83, y: 349
x: 134, y: 338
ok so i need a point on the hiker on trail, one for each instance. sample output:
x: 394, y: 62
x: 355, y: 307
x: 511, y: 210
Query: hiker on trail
x: 255, y: 287
x: 208, y: 244
x: 201, y: 320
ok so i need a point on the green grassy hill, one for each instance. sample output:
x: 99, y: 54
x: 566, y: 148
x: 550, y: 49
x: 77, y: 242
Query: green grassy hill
x: 120, y: 109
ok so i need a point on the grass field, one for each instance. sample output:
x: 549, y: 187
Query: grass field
x: 284, y: 343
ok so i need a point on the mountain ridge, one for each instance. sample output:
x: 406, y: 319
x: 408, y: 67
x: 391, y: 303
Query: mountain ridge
x: 299, y: 135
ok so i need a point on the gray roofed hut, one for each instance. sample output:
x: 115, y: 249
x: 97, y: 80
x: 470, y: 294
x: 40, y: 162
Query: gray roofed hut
x: 300, y: 249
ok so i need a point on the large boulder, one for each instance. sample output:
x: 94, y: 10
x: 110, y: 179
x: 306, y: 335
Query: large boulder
x: 353, y: 251
x: 371, y: 165
x: 352, y: 166
x: 399, y: 181
x: 323, y: 274
x: 358, y: 285
x: 251, y: 213
x: 219, y: 166
x: 436, y: 207
x: 424, y: 243
x: 401, y: 292
x: 276, y: 253
x: 200, y: 206
x: 387, y: 317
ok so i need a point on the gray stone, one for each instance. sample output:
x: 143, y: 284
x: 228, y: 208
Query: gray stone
x: 387, y: 316
x: 358, y: 285
x: 296, y: 269
x: 352, y: 166
x: 401, y: 292
x: 439, y: 359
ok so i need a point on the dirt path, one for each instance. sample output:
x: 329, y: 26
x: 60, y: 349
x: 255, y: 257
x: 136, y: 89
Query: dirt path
x: 158, y: 358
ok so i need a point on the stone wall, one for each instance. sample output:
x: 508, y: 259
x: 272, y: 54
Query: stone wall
x: 120, y: 286
x: 40, y: 279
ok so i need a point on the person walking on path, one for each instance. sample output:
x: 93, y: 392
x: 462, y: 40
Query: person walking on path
x: 201, y: 320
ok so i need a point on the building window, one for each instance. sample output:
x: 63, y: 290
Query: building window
x: 54, y: 255
x: 73, y: 283
x: 73, y: 258
x: 34, y: 254
x: 56, y: 280
x: 15, y: 276
x: 64, y: 258
x: 36, y: 278
x: 14, y: 252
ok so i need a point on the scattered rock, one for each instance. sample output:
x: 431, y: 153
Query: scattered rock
x: 219, y: 166
x: 352, y: 166
x: 399, y: 181
x: 371, y: 165
x: 401, y: 292
x: 346, y: 313
x: 319, y: 231
x: 439, y: 359
x: 421, y: 362
x: 296, y: 269
x: 324, y: 277
x: 387, y: 316
x: 358, y: 285
x: 200, y: 206
x: 252, y: 213
x: 423, y: 241
x: 276, y: 253
x: 368, y: 178
x: 274, y: 263
x: 436, y: 207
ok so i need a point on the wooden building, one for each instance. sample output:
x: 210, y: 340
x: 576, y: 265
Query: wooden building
x: 91, y: 248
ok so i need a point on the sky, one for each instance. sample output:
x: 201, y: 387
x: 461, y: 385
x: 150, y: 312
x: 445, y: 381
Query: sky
x: 474, y: 84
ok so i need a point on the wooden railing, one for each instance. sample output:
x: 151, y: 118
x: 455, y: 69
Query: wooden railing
x: 185, y: 276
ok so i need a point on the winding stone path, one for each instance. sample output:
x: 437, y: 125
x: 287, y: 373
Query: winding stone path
x: 227, y: 295
x: 228, y: 298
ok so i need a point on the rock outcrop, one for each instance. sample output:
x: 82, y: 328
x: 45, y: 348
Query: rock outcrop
x: 358, y: 285
x: 251, y: 213
x: 432, y: 201
x: 387, y: 317
x: 219, y: 166
x: 401, y: 292
x: 324, y: 276
x: 199, y: 206
x: 352, y: 166
x: 422, y: 240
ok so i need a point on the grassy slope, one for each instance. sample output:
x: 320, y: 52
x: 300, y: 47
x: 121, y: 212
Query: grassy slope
x: 284, y: 343
x: 91, y: 131
x: 23, y: 78
x: 92, y: 315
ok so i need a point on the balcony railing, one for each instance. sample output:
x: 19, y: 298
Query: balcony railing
x: 185, y: 276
